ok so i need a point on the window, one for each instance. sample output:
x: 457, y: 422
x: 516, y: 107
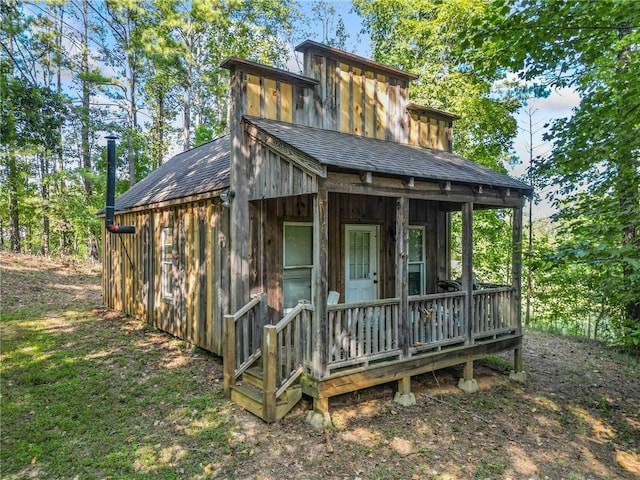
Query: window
x: 298, y: 263
x: 416, y: 261
x: 166, y: 263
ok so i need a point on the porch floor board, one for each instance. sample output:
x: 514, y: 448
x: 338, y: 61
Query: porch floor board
x: 351, y: 380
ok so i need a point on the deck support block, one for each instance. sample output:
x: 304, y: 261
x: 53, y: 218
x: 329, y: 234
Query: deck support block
x: 520, y: 377
x: 319, y: 420
x: 468, y: 384
x: 404, y: 396
x: 518, y: 374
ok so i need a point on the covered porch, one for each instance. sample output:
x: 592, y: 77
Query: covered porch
x: 411, y: 323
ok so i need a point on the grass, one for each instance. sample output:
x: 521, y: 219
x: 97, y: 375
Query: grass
x: 87, y: 396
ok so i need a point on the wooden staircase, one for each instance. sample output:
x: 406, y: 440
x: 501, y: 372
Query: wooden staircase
x: 263, y: 363
x: 249, y: 393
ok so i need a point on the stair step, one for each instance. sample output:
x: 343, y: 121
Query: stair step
x: 254, y: 376
x: 250, y: 398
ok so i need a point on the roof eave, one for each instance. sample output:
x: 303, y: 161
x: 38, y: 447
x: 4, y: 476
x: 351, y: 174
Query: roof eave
x: 350, y: 57
x: 267, y: 71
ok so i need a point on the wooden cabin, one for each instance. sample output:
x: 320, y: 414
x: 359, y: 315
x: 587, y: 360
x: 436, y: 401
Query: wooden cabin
x: 311, y: 246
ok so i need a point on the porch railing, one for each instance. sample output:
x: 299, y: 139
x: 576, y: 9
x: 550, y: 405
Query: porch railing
x: 492, y: 312
x: 363, y: 332
x: 436, y: 320
x: 243, y: 338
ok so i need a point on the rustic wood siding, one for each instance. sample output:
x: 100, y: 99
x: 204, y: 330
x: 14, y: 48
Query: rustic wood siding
x: 200, y: 271
x: 268, y: 98
x: 429, y: 131
x: 352, y: 99
x: 273, y: 175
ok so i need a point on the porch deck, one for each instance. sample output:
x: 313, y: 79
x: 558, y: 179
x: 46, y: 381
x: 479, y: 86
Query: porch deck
x: 368, y: 343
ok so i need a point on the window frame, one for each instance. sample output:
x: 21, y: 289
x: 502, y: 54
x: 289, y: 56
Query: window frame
x: 422, y: 263
x: 285, y: 267
x: 166, y: 265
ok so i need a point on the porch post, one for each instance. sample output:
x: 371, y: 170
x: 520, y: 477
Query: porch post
x: 468, y: 383
x: 239, y: 208
x: 518, y: 373
x: 467, y: 266
x: 402, y: 267
x: 320, y: 263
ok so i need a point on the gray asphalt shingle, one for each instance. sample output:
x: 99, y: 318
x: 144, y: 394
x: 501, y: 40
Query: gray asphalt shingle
x: 200, y: 170
x: 354, y: 152
x: 205, y: 168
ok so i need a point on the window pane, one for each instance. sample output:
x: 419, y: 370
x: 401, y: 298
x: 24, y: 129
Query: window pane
x: 298, y: 241
x: 415, y: 245
x: 415, y: 279
x: 296, y: 286
x: 359, y: 255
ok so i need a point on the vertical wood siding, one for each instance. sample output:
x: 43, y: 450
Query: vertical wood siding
x: 200, y: 271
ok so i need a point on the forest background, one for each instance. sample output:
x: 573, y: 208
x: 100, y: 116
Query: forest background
x: 72, y: 71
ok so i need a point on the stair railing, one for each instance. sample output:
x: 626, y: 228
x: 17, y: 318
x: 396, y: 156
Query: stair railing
x: 242, y: 344
x: 286, y: 348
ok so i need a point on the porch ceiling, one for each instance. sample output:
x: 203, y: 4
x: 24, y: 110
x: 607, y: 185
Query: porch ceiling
x: 362, y: 154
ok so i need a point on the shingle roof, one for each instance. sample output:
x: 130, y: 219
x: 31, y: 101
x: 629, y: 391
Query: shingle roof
x: 200, y: 170
x: 205, y: 168
x: 377, y: 156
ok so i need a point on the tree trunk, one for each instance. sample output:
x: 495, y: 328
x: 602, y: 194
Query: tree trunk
x: 44, y: 196
x: 86, y: 103
x: 14, y: 212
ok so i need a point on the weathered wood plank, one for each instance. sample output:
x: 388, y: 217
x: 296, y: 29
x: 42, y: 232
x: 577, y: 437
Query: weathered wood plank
x: 270, y: 99
x: 369, y: 104
x: 252, y: 95
x: 357, y: 115
x: 286, y: 102
x: 344, y: 99
x: 382, y: 102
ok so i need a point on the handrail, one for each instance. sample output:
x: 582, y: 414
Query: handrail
x: 437, y: 296
x: 493, y: 290
x: 292, y: 378
x: 292, y: 314
x: 283, y: 354
x: 247, y: 307
x: 369, y: 303
x: 249, y: 343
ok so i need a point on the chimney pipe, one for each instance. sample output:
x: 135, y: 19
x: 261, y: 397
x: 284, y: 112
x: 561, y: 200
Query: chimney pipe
x: 111, y: 190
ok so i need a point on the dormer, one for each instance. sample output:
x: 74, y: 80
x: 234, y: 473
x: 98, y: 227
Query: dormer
x: 258, y: 90
x: 356, y: 95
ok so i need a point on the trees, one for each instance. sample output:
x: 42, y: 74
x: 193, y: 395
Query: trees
x: 595, y: 162
x: 73, y: 70
x: 424, y: 37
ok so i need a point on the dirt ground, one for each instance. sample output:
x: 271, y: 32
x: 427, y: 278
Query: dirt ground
x: 577, y: 417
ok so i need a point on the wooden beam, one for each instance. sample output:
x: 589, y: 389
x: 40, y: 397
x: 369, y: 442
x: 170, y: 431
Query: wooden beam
x: 402, y: 268
x: 239, y: 221
x: 320, y: 262
x: 467, y: 265
x: 516, y: 267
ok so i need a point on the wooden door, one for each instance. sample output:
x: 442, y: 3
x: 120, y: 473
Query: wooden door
x: 361, y: 263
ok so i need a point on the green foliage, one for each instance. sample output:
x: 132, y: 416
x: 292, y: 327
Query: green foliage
x: 424, y: 37
x: 595, y: 162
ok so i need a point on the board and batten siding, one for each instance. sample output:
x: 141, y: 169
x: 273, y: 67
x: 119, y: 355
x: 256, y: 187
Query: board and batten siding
x: 272, y: 99
x: 356, y: 100
x: 200, y: 276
